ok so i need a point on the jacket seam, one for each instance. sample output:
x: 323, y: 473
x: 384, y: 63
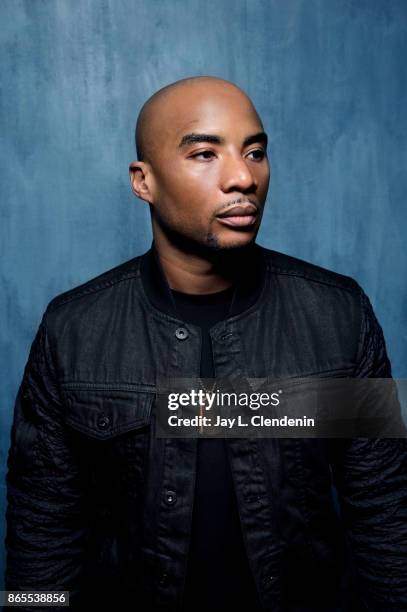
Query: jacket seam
x: 51, y: 360
x: 51, y: 307
x: 362, y: 314
x: 90, y: 386
x: 269, y: 553
x: 280, y: 272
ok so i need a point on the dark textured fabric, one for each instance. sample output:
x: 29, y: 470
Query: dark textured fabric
x: 99, y: 506
x: 218, y: 573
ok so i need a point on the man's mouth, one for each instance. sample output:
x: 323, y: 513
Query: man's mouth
x: 239, y: 216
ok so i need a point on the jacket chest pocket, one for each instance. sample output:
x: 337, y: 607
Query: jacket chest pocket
x: 109, y: 430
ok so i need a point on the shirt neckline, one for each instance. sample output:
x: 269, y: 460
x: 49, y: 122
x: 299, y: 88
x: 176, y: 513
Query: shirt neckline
x: 217, y: 297
x: 250, y: 290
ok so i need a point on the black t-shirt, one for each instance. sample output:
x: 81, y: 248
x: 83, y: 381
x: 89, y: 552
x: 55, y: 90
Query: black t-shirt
x: 218, y: 572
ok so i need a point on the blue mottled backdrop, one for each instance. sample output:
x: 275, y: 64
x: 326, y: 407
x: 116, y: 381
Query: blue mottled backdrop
x: 328, y: 77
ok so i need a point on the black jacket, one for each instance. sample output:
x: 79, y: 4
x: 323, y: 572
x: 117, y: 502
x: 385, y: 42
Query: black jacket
x: 99, y: 506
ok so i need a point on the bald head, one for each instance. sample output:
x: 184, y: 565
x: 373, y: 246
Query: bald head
x: 162, y: 108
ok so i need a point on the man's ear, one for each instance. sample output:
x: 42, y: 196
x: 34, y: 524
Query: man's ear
x: 141, y: 180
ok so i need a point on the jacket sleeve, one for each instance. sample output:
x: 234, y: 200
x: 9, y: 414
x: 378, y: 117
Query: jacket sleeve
x: 46, y: 527
x: 371, y: 480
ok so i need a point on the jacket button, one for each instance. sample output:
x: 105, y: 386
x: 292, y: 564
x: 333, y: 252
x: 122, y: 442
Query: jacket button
x: 270, y: 579
x: 181, y: 333
x: 103, y: 422
x: 170, y: 498
x: 164, y: 580
x: 225, y: 337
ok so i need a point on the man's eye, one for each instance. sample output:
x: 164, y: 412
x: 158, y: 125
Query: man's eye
x: 258, y: 154
x: 206, y: 155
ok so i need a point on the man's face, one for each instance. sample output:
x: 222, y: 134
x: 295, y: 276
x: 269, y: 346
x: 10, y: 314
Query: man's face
x: 209, y: 168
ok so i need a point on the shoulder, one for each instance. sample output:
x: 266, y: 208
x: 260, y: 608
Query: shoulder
x: 333, y: 306
x: 306, y: 273
x: 99, y: 285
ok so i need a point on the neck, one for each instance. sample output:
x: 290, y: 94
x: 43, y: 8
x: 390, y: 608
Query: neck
x: 196, y: 272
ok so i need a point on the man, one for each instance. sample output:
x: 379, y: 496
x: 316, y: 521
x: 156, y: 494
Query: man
x: 101, y: 506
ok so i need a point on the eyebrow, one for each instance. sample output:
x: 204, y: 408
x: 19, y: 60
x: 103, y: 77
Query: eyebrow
x: 194, y: 138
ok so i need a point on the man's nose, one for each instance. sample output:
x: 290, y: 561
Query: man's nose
x: 236, y: 175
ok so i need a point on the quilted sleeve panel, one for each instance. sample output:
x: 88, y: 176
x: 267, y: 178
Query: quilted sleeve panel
x: 46, y: 526
x: 371, y: 479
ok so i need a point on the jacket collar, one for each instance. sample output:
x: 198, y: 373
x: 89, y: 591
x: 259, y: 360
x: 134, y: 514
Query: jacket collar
x: 250, y: 272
